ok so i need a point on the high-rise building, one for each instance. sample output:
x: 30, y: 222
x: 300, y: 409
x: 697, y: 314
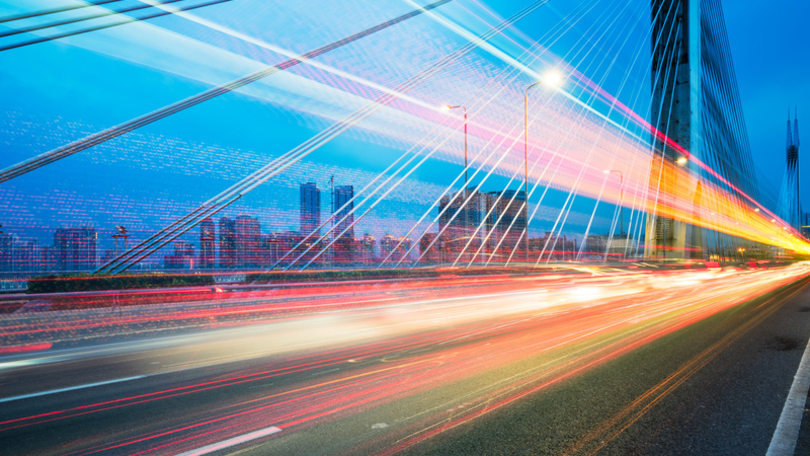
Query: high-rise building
x: 343, y: 196
x: 27, y: 256
x: 248, y: 241
x: 344, y: 246
x: 280, y: 244
x: 207, y: 240
x: 430, y: 253
x: 227, y: 243
x: 482, y: 231
x: 310, y: 209
x: 365, y: 250
x: 106, y: 257
x: 396, y: 247
x: 466, y: 227
x: 48, y: 258
x: 182, y: 258
x: 452, y: 226
x: 75, y: 248
x: 513, y: 213
x: 387, y: 245
x: 6, y: 252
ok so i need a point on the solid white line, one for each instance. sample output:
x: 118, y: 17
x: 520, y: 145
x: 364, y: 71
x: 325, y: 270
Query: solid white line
x: 783, y: 442
x: 231, y: 442
x: 72, y: 388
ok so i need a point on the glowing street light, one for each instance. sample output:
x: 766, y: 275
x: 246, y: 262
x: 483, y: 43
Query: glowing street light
x: 681, y: 160
x: 552, y: 79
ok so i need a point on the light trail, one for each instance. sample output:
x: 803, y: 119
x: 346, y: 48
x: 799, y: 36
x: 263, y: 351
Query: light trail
x: 379, y: 366
x: 574, y: 129
x: 92, y: 140
x: 503, y: 339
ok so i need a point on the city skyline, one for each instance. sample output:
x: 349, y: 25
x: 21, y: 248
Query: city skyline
x: 168, y: 169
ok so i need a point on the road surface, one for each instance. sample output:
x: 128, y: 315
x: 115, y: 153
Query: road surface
x: 687, y: 362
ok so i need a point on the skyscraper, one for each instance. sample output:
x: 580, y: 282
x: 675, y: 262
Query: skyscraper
x: 365, y: 251
x: 310, y: 209
x: 344, y: 244
x: 397, y: 248
x: 452, y: 217
x: 459, y: 224
x: 6, y: 252
x: 27, y: 256
x: 227, y: 243
x: 512, y: 220
x: 207, y: 238
x: 75, y: 248
x: 182, y: 258
x: 343, y: 195
x: 248, y: 241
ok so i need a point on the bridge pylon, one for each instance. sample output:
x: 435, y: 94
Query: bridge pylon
x: 676, y: 104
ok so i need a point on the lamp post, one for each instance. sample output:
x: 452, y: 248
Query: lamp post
x: 553, y: 79
x: 526, y: 159
x: 448, y: 107
x: 466, y: 209
x: 621, y: 198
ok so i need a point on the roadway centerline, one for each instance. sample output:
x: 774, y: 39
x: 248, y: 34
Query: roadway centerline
x: 232, y: 441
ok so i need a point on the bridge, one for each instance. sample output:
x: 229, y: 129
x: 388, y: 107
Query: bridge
x: 391, y: 227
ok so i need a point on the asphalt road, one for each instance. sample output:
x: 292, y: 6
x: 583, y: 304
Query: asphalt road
x: 654, y: 370
x: 715, y: 388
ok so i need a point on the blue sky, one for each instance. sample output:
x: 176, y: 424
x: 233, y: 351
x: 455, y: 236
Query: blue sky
x: 60, y: 91
x: 770, y: 44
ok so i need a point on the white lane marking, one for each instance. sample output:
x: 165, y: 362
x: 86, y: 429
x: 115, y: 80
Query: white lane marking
x: 326, y: 371
x: 231, y: 442
x: 72, y: 388
x: 21, y: 363
x: 783, y: 442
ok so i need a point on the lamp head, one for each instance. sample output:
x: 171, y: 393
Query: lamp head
x: 552, y: 78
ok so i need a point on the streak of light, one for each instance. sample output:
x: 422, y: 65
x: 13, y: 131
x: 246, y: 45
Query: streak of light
x: 502, y: 340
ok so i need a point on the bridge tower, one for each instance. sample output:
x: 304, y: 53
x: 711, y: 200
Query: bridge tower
x: 791, y: 200
x: 676, y: 105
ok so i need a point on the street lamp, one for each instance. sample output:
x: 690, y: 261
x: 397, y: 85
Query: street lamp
x: 621, y: 198
x: 466, y: 209
x: 553, y: 79
x: 448, y: 107
x: 681, y: 160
